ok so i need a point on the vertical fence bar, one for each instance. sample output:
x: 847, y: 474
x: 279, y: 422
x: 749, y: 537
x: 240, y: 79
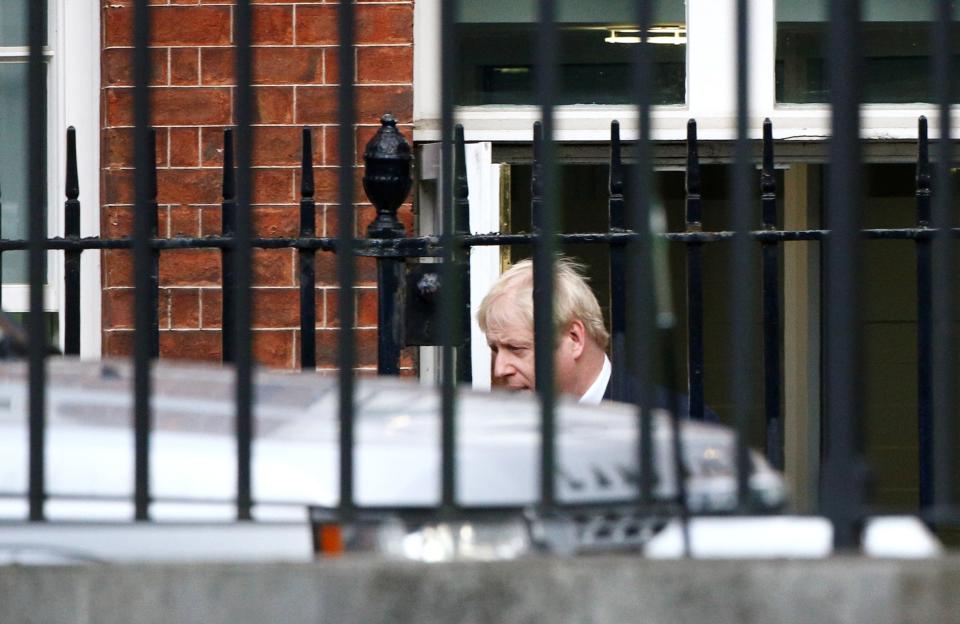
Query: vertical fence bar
x: 36, y: 164
x: 693, y: 218
x: 742, y: 269
x: 944, y: 338
x: 345, y: 249
x: 640, y: 305
x: 842, y: 485
x: 449, y: 325
x: 770, y: 279
x: 924, y: 324
x: 142, y: 258
x: 243, y: 257
x: 618, y: 271
x: 461, y: 255
x: 154, y: 218
x: 545, y: 245
x: 228, y: 266
x: 453, y: 187
x: 307, y: 258
x: 71, y: 259
x: 1, y: 253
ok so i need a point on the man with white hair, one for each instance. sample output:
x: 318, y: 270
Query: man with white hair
x: 582, y: 367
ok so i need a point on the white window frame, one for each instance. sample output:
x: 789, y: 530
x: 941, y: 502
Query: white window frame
x: 73, y: 96
x: 711, y: 92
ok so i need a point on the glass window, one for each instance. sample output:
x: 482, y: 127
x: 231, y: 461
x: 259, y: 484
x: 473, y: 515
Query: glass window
x: 497, y: 40
x: 896, y: 44
x: 14, y: 134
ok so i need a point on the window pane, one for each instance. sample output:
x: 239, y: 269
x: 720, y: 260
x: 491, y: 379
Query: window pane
x: 497, y: 41
x: 13, y: 23
x: 896, y: 43
x: 14, y: 135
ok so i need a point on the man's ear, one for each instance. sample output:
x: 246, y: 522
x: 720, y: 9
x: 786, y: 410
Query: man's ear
x: 577, y: 334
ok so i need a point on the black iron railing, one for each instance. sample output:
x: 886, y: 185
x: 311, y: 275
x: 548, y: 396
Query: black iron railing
x: 637, y: 315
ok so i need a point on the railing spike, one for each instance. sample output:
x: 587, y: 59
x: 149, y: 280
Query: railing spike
x: 693, y: 159
x: 306, y: 165
x: 461, y: 186
x: 768, y: 179
x: 152, y: 169
x: 229, y: 175
x: 616, y: 161
x: 536, y: 188
x: 73, y: 180
x: 693, y: 173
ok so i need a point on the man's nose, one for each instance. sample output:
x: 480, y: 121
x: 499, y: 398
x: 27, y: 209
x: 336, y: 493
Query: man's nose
x: 501, y: 365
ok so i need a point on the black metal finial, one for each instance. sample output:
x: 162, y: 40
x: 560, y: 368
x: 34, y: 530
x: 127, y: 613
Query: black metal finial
x: 923, y: 156
x: 387, y: 178
x: 461, y: 188
x: 536, y: 186
x: 152, y: 169
x: 768, y: 179
x: 306, y: 165
x: 693, y: 215
x: 616, y: 162
x: 73, y: 180
x: 229, y: 175
x: 924, y: 177
x: 693, y: 159
x: 768, y: 182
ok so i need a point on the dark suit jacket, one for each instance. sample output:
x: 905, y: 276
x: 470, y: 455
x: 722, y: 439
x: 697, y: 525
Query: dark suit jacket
x: 662, y: 398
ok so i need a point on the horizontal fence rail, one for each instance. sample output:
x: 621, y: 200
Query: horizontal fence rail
x: 396, y: 249
x: 641, y: 314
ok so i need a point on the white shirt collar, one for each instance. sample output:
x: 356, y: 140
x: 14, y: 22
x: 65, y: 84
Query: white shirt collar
x: 594, y: 394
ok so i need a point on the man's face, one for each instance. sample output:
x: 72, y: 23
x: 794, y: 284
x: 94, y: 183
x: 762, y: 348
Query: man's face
x: 511, y: 344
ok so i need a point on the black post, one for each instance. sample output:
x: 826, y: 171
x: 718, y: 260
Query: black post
x: 618, y: 271
x: 924, y: 323
x: 154, y: 216
x: 144, y: 228
x: 461, y: 257
x: 228, y: 229
x: 244, y: 108
x: 346, y: 272
x: 387, y: 182
x: 543, y: 272
x: 307, y: 258
x: 694, y: 277
x: 1, y: 253
x: 71, y: 258
x: 770, y: 254
x: 37, y: 257
x: 842, y: 485
x: 943, y: 268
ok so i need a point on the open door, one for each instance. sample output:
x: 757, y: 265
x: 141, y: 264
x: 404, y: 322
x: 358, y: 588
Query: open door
x: 489, y: 187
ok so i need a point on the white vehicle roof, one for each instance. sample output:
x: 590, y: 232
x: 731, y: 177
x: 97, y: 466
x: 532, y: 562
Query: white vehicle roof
x: 89, y: 446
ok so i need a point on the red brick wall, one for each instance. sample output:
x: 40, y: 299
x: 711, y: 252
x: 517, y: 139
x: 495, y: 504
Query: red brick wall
x: 295, y: 74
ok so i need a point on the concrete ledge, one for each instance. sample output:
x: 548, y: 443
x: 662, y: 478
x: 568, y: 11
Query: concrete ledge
x: 615, y: 589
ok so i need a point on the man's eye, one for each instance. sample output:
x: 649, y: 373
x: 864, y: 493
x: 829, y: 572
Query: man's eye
x: 516, y: 348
